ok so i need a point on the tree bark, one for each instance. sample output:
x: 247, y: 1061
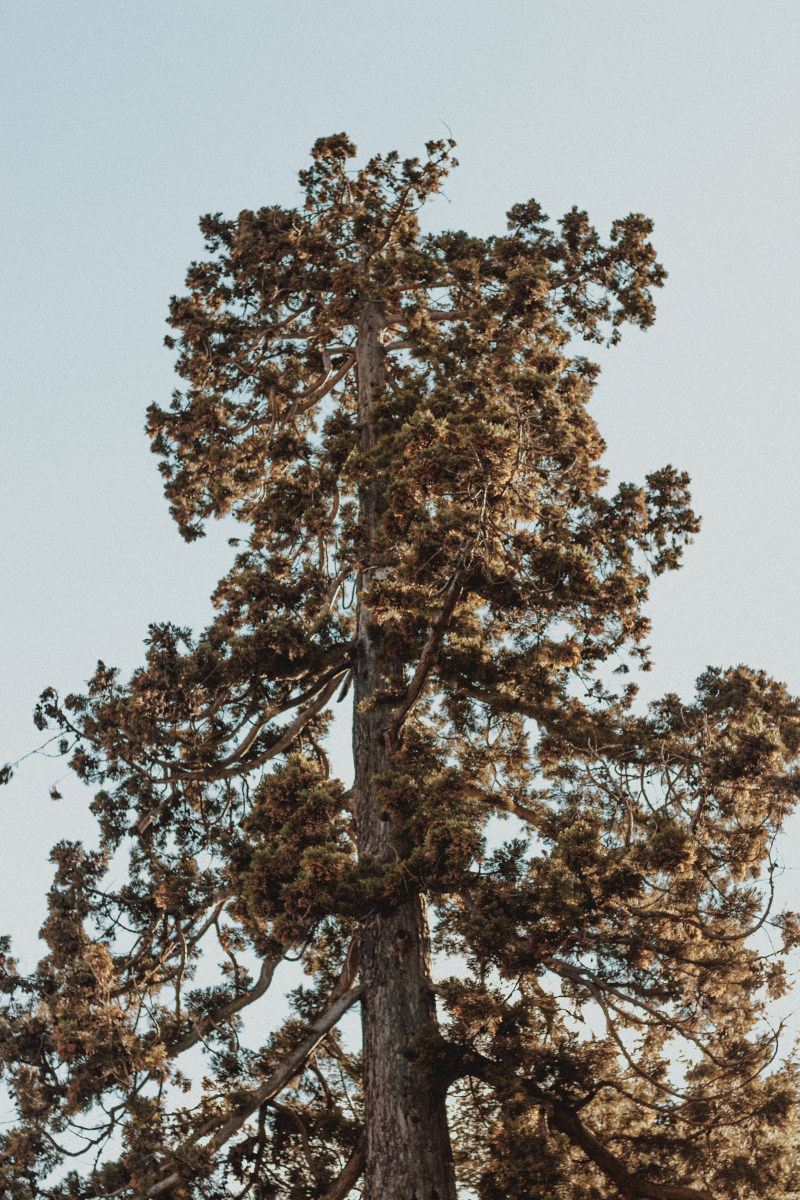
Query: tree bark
x: 408, y: 1155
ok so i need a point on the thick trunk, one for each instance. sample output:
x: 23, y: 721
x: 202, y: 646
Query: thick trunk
x: 408, y: 1154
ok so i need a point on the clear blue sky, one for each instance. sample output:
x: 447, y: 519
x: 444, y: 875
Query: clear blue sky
x: 122, y: 122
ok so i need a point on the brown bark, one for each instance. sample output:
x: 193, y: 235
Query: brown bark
x: 408, y: 1155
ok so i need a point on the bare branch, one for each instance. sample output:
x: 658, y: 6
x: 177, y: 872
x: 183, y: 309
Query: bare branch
x: 217, y: 772
x: 289, y: 1068
x: 350, y: 1174
x: 438, y: 315
x: 316, y: 392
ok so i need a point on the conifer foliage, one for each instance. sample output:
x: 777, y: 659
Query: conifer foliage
x: 399, y: 423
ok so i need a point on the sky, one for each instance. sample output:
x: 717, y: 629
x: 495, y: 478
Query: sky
x: 123, y: 122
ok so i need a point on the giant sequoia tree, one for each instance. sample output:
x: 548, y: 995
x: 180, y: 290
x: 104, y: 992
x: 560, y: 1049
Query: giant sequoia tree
x: 398, y: 421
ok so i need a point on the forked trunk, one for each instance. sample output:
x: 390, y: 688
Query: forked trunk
x: 408, y: 1155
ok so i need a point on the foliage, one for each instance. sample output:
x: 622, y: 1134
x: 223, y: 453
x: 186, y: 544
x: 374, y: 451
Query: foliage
x: 608, y: 1033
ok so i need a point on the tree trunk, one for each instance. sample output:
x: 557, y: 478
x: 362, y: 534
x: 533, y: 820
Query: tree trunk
x: 408, y: 1155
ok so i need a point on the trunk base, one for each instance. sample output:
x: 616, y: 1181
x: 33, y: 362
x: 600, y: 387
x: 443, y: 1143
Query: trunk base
x: 408, y: 1155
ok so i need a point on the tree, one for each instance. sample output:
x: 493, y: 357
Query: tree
x: 398, y: 421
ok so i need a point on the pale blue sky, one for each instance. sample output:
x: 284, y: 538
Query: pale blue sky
x: 123, y: 121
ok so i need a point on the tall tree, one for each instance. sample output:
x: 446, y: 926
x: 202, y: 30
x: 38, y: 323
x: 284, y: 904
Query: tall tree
x: 398, y: 421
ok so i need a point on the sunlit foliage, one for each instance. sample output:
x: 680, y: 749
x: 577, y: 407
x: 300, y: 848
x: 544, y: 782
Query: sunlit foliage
x: 604, y: 1025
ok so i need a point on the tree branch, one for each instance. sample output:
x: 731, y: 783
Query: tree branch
x: 350, y: 1173
x: 289, y: 1068
x: 434, y: 314
x: 632, y: 1187
x: 213, y: 772
x: 344, y: 996
x: 225, y: 1011
x: 564, y: 1118
x: 316, y: 392
x: 429, y: 651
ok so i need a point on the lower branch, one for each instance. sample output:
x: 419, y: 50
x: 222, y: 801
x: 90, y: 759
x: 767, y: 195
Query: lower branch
x: 345, y: 995
x: 289, y: 1068
x: 351, y: 1173
x: 212, y: 773
x: 560, y: 1116
x: 632, y: 1187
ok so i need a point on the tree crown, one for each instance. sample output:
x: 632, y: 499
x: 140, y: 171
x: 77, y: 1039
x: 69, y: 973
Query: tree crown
x: 466, y: 522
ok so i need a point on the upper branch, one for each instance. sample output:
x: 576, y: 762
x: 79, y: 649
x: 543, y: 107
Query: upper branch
x: 430, y: 650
